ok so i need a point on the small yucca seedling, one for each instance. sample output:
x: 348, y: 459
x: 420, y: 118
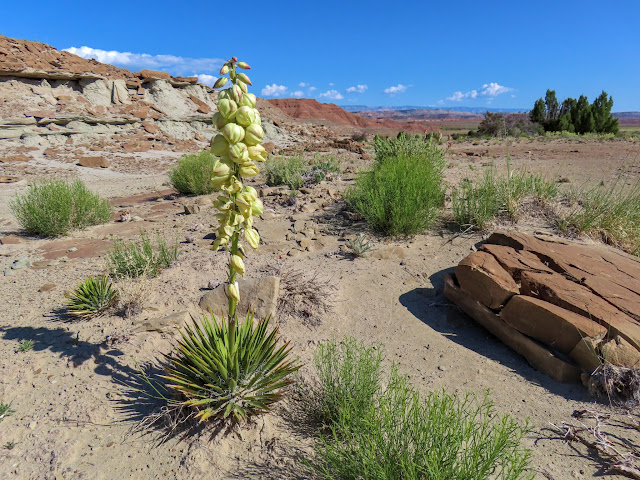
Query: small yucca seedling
x: 5, y: 410
x: 359, y: 246
x: 229, y: 370
x: 92, y: 297
x: 26, y: 345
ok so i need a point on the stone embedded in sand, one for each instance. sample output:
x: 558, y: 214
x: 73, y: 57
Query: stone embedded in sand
x: 482, y: 277
x: 257, y: 294
x: 548, y: 323
x: 389, y: 253
x: 585, y: 354
x: 93, y: 162
x: 538, y: 357
x: 8, y: 179
x: 10, y: 240
x: 618, y: 351
x: 191, y: 209
x: 556, y: 289
x: 162, y: 324
x: 515, y: 262
x: 15, y: 158
x: 47, y: 287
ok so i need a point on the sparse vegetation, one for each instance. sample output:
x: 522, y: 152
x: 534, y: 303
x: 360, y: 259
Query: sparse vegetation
x: 476, y: 205
x: 134, y: 259
x: 9, y: 445
x: 611, y: 213
x: 193, y: 173
x: 296, y: 171
x: 92, y: 297
x: 305, y: 294
x: 403, y: 193
x: 404, y: 145
x: 133, y: 294
x: 26, y: 345
x: 392, y: 433
x: 5, y: 410
x: 229, y: 370
x: 359, y: 246
x: 52, y: 208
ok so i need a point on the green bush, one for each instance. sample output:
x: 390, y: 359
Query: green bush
x: 193, y: 172
x: 402, y: 194
x: 134, y: 259
x: 283, y: 171
x: 610, y: 213
x: 92, y: 297
x: 398, y: 435
x: 52, y: 208
x: 324, y: 166
x: 229, y: 369
x: 477, y: 205
x: 404, y: 144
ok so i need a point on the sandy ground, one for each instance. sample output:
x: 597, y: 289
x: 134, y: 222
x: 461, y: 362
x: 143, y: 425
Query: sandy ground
x: 74, y: 394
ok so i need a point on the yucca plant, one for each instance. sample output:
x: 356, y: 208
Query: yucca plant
x: 229, y: 370
x: 92, y: 297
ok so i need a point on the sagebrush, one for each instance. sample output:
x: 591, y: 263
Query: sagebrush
x: 52, y: 208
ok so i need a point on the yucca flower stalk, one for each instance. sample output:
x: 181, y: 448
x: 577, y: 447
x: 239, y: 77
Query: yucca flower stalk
x: 238, y: 148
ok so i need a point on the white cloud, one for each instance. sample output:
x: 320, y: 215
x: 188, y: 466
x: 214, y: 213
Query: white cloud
x: 331, y: 95
x: 303, y: 84
x: 331, y: 84
x: 274, y: 90
x: 206, y: 79
x: 298, y: 93
x: 137, y: 61
x: 357, y: 88
x: 490, y: 90
x: 397, y: 89
x: 312, y: 89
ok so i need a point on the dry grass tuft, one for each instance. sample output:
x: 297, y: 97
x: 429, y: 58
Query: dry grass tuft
x: 306, y: 295
x: 133, y: 294
x: 618, y: 384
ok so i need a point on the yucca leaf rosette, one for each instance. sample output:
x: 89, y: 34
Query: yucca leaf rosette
x: 237, y: 146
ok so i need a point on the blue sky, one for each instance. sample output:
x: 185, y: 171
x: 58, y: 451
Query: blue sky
x: 463, y: 53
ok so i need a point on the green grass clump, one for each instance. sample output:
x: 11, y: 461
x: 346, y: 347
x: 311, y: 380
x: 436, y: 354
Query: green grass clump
x: 134, y: 259
x: 475, y: 205
x: 229, y: 370
x: 26, y: 345
x: 323, y: 167
x: 92, y: 297
x: 403, y: 145
x: 193, y: 172
x: 401, y: 195
x: 396, y: 434
x: 610, y: 213
x: 52, y: 208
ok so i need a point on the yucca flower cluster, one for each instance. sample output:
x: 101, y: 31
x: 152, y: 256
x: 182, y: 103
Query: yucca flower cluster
x: 238, y: 148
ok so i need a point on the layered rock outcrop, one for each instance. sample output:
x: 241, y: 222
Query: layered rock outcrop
x: 565, y: 307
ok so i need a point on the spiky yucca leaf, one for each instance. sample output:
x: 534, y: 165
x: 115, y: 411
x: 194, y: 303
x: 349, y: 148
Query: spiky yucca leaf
x: 228, y: 369
x: 92, y: 297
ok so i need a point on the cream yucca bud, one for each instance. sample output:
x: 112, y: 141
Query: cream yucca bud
x: 243, y: 87
x: 236, y: 93
x: 221, y: 169
x: 233, y: 133
x: 257, y: 153
x: 244, y: 78
x: 225, y: 69
x: 251, y: 192
x: 245, y: 116
x: 233, y: 291
x: 244, y: 66
x: 249, y: 100
x: 237, y: 264
x: 248, y: 170
x: 227, y: 108
x: 219, y: 145
x: 220, y: 181
x: 221, y: 82
x: 257, y: 208
x: 252, y: 237
x: 253, y: 135
x: 238, y: 152
x: 235, y: 187
x: 219, y: 121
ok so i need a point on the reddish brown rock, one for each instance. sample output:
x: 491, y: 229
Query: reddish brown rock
x: 153, y: 74
x: 93, y: 162
x: 8, y: 179
x: 41, y: 114
x: 10, y: 240
x: 202, y: 106
x: 556, y: 289
x: 269, y: 147
x: 554, y: 326
x: 586, y: 356
x: 515, y: 262
x: 538, y: 357
x: 150, y: 127
x: 21, y: 157
x: 482, y: 277
x: 618, y: 351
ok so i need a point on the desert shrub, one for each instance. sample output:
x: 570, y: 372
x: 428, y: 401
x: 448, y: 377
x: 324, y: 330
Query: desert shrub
x: 402, y: 194
x: 404, y: 144
x: 478, y: 204
x: 283, y: 171
x: 229, y: 370
x: 193, y: 172
x: 323, y: 167
x: 611, y: 213
x: 52, y: 208
x: 502, y: 125
x: 92, y: 297
x: 394, y: 433
x: 134, y: 259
